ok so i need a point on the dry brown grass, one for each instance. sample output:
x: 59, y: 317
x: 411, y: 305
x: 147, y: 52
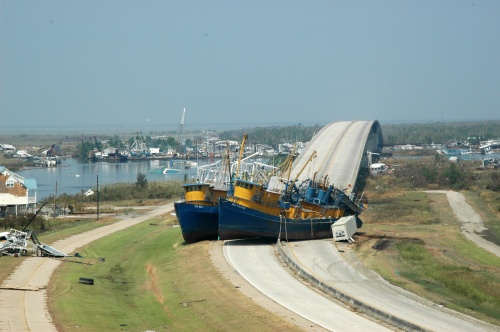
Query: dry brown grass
x: 413, y: 240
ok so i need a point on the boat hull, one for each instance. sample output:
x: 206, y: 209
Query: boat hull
x: 171, y: 171
x: 238, y: 222
x: 198, y: 222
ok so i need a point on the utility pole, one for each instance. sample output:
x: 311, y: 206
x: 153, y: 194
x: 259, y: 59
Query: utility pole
x: 97, y: 196
x: 55, y: 197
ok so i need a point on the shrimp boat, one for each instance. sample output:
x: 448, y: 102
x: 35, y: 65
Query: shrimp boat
x: 282, y: 210
x: 198, y: 213
x: 254, y: 211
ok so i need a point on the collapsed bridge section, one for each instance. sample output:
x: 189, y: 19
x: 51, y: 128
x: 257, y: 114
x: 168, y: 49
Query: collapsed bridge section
x: 342, y: 149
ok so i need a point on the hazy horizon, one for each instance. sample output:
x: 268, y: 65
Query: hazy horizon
x: 131, y: 130
x: 136, y: 65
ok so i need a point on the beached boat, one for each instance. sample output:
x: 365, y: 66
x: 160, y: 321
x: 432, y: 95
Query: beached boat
x: 198, y: 214
x: 255, y: 211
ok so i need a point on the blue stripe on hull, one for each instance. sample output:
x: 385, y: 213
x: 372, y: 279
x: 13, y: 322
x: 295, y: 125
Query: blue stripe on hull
x: 198, y: 222
x: 238, y: 222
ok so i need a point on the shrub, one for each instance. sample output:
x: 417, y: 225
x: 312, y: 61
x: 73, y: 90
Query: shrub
x: 132, y: 191
x: 494, y: 184
x: 142, y: 181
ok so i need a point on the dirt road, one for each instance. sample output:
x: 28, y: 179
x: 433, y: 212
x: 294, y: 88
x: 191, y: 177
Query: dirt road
x: 471, y: 223
x: 23, y: 310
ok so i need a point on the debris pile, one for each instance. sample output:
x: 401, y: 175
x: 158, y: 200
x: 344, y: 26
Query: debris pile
x: 491, y: 163
x: 23, y: 243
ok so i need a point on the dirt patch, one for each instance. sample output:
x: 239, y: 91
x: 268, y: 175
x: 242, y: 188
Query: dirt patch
x: 154, y: 283
x: 383, y: 242
x: 155, y: 287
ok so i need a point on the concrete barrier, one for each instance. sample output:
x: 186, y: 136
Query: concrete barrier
x: 359, y: 305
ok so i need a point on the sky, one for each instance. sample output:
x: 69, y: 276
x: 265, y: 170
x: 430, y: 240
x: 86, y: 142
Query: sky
x: 138, y: 64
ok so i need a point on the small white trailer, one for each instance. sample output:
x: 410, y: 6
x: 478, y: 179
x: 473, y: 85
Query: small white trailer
x: 344, y: 228
x: 154, y: 151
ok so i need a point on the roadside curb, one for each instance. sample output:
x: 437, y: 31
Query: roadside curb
x: 361, y: 306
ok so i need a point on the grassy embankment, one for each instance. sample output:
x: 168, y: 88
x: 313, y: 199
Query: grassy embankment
x: 413, y: 240
x: 60, y: 228
x: 151, y: 280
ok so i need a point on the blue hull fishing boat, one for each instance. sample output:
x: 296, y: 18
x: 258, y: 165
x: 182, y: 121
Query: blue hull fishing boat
x: 198, y: 214
x: 198, y: 222
x: 254, y: 211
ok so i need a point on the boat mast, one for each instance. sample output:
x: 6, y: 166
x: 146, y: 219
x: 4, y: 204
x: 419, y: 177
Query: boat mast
x: 242, y: 149
x: 181, y: 128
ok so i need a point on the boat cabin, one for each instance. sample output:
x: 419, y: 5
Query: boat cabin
x: 248, y: 190
x: 196, y: 192
x: 203, y: 192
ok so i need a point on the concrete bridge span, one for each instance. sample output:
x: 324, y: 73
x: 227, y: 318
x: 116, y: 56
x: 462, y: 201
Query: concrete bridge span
x: 342, y: 151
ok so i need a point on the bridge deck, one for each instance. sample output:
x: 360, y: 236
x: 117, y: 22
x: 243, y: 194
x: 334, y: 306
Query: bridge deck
x: 341, y: 152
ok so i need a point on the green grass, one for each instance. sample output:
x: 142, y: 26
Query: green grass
x: 150, y: 280
x: 407, y: 207
x: 118, y: 296
x: 461, y: 285
x: 62, y: 228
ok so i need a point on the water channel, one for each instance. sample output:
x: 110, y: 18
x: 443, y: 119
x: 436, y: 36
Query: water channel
x: 73, y: 176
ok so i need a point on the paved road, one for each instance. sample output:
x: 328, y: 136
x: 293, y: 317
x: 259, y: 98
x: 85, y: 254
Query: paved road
x: 257, y: 263
x: 322, y: 260
x: 27, y: 310
x: 343, y: 271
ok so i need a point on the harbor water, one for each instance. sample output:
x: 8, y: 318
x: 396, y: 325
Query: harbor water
x: 73, y: 176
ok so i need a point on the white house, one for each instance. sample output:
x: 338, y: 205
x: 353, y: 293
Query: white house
x: 7, y: 148
x: 17, y: 194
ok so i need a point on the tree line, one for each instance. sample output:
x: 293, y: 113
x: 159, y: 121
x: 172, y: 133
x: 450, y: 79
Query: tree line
x: 403, y: 133
x: 440, y: 132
